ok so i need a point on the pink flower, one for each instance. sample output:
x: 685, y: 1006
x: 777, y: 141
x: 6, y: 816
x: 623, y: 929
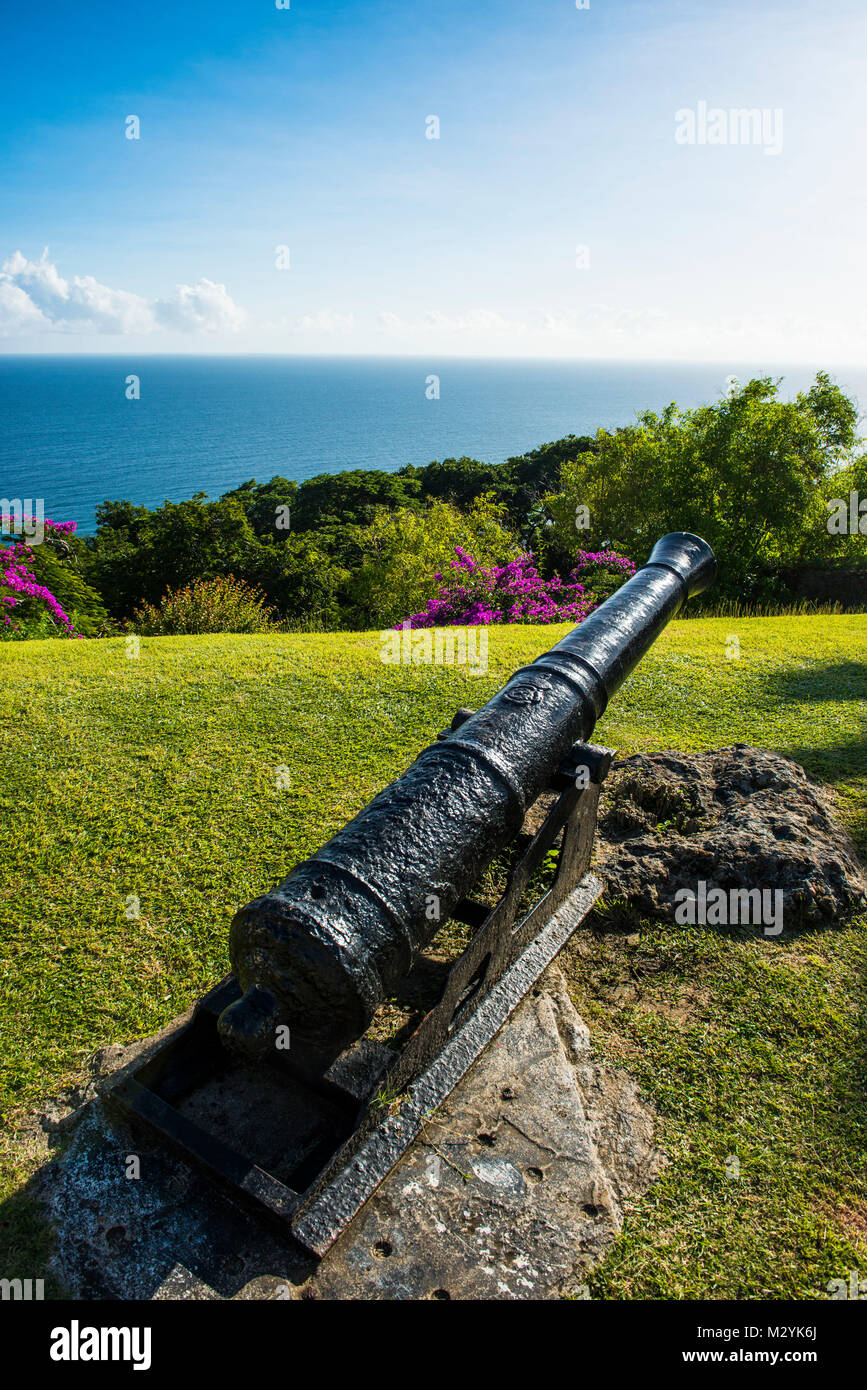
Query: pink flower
x: 515, y: 592
x: 15, y: 574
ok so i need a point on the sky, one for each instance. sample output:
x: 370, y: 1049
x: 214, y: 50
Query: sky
x: 522, y: 178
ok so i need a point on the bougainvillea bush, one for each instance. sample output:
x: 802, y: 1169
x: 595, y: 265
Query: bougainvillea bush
x: 28, y: 608
x: 601, y: 572
x: 474, y: 594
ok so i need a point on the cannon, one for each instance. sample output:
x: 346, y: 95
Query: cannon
x: 320, y: 952
x: 314, y: 958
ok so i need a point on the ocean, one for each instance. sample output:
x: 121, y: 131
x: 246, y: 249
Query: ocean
x: 70, y: 435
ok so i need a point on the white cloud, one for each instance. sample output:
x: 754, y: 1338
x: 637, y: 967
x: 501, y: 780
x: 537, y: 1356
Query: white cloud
x: 18, y: 313
x: 34, y: 297
x: 604, y: 329
x: 326, y: 321
x: 200, y: 308
x: 609, y: 318
x: 104, y: 310
x: 38, y: 280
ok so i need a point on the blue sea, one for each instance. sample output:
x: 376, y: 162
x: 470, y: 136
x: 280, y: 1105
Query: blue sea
x: 69, y: 435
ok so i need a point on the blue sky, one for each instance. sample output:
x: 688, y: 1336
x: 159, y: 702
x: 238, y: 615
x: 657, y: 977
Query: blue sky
x: 558, y: 129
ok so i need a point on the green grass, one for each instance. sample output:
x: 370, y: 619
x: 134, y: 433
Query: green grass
x: 158, y: 778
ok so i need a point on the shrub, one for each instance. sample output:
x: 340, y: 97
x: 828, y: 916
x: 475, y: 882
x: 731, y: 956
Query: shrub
x: 601, y: 572
x: 224, y: 604
x: 28, y: 608
x: 55, y: 566
x: 516, y: 592
x: 400, y: 550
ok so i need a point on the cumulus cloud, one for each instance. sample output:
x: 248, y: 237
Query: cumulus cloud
x: 18, y: 313
x: 200, y: 308
x: 35, y: 297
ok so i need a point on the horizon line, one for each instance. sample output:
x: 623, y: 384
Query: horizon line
x: 445, y: 356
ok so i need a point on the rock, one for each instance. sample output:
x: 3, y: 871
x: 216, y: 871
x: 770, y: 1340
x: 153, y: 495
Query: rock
x: 516, y: 1187
x: 734, y: 818
x: 181, y: 1285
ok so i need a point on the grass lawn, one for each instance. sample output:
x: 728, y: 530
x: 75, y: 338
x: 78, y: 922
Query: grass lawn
x: 158, y: 779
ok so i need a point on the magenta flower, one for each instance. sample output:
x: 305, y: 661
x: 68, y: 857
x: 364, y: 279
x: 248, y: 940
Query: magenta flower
x: 17, y: 576
x: 515, y: 592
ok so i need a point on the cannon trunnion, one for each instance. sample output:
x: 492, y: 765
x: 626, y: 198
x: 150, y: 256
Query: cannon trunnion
x: 313, y: 959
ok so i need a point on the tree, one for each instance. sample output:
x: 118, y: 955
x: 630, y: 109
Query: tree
x: 349, y: 498
x: 747, y: 473
x: 303, y: 579
x: 404, y: 552
x: 267, y: 506
x: 135, y: 557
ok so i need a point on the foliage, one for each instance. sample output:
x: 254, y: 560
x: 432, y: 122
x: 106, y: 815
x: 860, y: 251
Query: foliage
x: 349, y: 498
x: 268, y: 507
x: 519, y: 485
x: 602, y: 572
x: 516, y: 592
x: 138, y: 554
x: 401, y: 550
x: 751, y: 473
x: 827, y: 542
x: 303, y: 579
x: 207, y: 605
x: 41, y: 592
x: 56, y: 563
x: 747, y: 473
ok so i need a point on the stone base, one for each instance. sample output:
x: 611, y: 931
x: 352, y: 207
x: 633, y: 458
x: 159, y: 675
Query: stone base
x: 514, y: 1189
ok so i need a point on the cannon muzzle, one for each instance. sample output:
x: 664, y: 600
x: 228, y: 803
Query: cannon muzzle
x: 322, y: 950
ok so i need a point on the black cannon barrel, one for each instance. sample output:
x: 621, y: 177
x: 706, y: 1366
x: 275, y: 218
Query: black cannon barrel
x: 321, y: 951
